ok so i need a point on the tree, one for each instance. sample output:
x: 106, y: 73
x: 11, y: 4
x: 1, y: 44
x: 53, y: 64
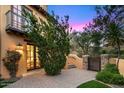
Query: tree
x: 110, y: 20
x: 83, y: 39
x: 51, y: 38
x: 73, y: 41
x: 89, y: 38
x: 96, y: 40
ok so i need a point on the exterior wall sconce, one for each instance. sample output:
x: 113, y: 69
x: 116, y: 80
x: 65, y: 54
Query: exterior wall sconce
x: 19, y: 48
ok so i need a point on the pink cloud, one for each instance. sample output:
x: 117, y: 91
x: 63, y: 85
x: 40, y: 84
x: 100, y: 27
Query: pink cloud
x: 79, y: 26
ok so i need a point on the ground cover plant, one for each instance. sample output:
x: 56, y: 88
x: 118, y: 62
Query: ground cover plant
x: 93, y: 84
x: 4, y: 82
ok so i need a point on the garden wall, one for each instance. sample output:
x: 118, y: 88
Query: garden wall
x: 73, y: 59
x: 121, y: 66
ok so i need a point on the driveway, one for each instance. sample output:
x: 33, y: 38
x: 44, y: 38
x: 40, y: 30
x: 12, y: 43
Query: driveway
x: 69, y: 78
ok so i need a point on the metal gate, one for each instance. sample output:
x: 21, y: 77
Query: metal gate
x: 94, y: 63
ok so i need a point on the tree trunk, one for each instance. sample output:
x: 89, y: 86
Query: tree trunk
x: 118, y: 55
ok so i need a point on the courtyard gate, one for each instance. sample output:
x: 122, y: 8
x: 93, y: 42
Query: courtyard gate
x: 94, y: 63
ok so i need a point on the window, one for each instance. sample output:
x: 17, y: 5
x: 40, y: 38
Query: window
x: 32, y: 57
x: 17, y: 18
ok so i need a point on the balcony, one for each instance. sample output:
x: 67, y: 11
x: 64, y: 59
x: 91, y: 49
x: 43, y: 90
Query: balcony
x: 15, y: 23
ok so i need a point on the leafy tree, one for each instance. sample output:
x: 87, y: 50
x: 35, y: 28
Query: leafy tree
x: 51, y: 38
x: 73, y: 43
x: 83, y: 39
x: 110, y: 20
x: 96, y: 40
x: 89, y: 38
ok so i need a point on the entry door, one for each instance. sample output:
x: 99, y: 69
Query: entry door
x: 32, y: 57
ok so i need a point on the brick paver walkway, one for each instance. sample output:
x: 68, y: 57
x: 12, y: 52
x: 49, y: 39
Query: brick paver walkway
x: 69, y: 78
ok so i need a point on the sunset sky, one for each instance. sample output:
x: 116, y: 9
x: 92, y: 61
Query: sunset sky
x: 79, y: 15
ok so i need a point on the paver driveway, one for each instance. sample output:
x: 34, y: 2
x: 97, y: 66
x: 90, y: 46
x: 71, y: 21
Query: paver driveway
x: 69, y: 78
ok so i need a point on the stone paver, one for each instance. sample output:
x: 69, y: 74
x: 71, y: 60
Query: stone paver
x: 69, y: 78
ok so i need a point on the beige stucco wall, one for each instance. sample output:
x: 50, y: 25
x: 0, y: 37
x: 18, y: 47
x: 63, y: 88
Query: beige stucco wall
x: 73, y: 59
x: 112, y: 60
x: 121, y: 66
x: 9, y: 41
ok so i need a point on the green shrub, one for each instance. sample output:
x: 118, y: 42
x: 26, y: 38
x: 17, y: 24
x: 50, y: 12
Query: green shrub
x: 11, y: 62
x: 54, y: 66
x: 104, y: 76
x: 111, y: 68
x: 110, y: 74
x: 52, y: 39
x: 117, y: 79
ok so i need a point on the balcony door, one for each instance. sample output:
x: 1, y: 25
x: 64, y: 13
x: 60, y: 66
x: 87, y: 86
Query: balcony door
x: 32, y: 57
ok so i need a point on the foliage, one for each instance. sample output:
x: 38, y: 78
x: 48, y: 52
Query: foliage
x: 52, y: 39
x: 104, y: 76
x: 93, y: 84
x: 73, y: 43
x: 103, y: 51
x: 109, y: 20
x: 79, y: 52
x: 110, y: 75
x: 11, y: 61
x: 117, y: 79
x: 89, y: 40
x: 113, y: 53
x: 4, y: 82
x: 83, y: 40
x: 111, y: 68
x: 96, y: 41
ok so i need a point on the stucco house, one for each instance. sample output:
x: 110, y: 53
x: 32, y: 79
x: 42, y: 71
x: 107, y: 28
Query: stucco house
x: 12, y: 36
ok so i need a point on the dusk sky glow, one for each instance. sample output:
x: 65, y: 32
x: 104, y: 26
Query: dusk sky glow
x: 80, y: 15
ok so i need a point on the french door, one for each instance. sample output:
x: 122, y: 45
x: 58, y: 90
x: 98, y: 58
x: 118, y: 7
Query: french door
x: 32, y: 57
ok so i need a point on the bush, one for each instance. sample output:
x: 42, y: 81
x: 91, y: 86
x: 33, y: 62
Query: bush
x: 54, y: 66
x: 52, y: 40
x: 11, y: 62
x: 111, y: 68
x: 104, y: 76
x: 117, y: 79
x: 111, y: 75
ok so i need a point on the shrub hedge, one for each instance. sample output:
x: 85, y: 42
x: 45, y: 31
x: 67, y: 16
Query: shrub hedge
x: 111, y: 68
x: 117, y: 79
x: 111, y: 75
x: 104, y: 76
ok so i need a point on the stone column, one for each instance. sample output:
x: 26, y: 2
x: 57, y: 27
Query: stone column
x: 104, y: 60
x: 85, y: 61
